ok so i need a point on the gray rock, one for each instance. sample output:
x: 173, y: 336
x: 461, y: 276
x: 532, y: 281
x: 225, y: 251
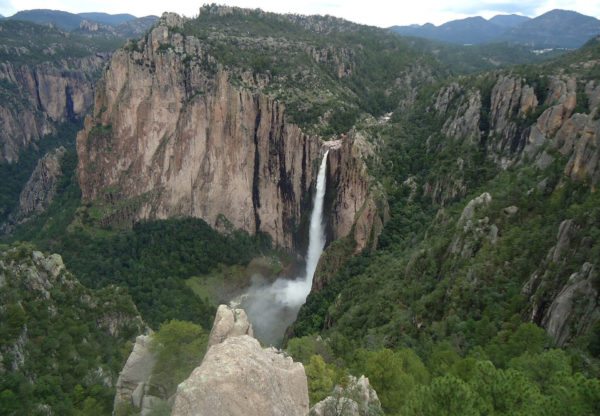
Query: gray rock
x: 512, y: 210
x: 229, y: 322
x: 561, y: 321
x: 239, y: 378
x: 135, y: 375
x: 358, y: 398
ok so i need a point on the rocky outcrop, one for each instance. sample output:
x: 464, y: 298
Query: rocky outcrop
x: 39, y: 298
x: 38, y: 97
x: 40, y: 189
x: 563, y: 321
x: 170, y: 137
x: 229, y: 322
x: 358, y: 398
x: 359, y: 208
x: 239, y: 378
x: 519, y: 128
x: 462, y: 109
x: 133, y: 384
x: 564, y: 303
x: 473, y: 229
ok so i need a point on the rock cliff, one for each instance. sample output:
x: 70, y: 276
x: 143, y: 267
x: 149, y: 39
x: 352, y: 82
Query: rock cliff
x: 238, y: 377
x: 171, y: 137
x: 563, y: 300
x: 40, y: 189
x: 38, y: 96
x: 522, y: 126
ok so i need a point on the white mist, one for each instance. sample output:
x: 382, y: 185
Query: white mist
x: 273, y: 307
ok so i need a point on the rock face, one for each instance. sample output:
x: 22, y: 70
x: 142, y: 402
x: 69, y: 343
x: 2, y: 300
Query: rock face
x: 133, y: 382
x: 40, y: 189
x: 566, y: 304
x: 515, y: 135
x: 471, y: 230
x: 37, y: 97
x: 229, y: 322
x: 170, y: 138
x: 239, y: 378
x: 358, y: 398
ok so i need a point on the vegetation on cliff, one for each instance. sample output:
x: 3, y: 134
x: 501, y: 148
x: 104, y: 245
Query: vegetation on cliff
x: 482, y: 295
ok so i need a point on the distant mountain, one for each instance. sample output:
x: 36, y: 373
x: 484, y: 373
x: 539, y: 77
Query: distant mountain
x: 136, y: 27
x: 470, y: 30
x: 508, y: 20
x: 555, y: 29
x: 123, y: 25
x: 108, y: 19
x: 63, y: 20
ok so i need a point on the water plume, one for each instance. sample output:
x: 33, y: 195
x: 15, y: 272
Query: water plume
x: 272, y: 307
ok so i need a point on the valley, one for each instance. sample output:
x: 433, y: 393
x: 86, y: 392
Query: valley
x: 378, y: 205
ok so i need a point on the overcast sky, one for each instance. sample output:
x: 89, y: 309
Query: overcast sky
x: 373, y: 12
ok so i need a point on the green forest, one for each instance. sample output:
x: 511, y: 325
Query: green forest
x: 448, y: 314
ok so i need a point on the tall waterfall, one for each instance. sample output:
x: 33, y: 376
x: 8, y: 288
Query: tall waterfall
x: 316, y: 235
x: 273, y: 307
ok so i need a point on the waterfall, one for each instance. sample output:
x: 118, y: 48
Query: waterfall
x: 273, y: 307
x: 316, y: 234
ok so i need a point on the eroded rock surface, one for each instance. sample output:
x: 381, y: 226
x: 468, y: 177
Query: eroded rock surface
x: 229, y: 322
x: 238, y: 377
x: 174, y: 139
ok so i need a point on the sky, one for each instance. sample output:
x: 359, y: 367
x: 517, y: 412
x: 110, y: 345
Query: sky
x: 372, y: 12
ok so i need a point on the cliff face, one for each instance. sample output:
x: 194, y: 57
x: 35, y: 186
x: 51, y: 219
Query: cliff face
x: 522, y: 128
x: 37, y: 97
x: 170, y: 137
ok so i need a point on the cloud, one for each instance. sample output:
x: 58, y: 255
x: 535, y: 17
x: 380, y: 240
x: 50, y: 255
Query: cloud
x: 527, y: 8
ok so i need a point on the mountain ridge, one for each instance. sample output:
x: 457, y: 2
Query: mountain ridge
x: 554, y: 29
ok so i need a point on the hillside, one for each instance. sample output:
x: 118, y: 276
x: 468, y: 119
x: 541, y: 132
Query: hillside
x: 461, y: 219
x: 92, y: 24
x: 62, y: 343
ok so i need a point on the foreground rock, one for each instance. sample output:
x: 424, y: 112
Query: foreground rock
x: 133, y: 382
x: 239, y: 377
x: 229, y: 322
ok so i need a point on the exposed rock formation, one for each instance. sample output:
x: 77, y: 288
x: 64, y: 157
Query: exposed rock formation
x: 562, y: 321
x: 170, y: 138
x: 471, y: 230
x: 239, y: 378
x: 229, y: 322
x: 133, y: 382
x: 40, y: 189
x: 515, y: 136
x: 567, y: 306
x: 40, y: 298
x: 37, y: 97
x: 358, y: 398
